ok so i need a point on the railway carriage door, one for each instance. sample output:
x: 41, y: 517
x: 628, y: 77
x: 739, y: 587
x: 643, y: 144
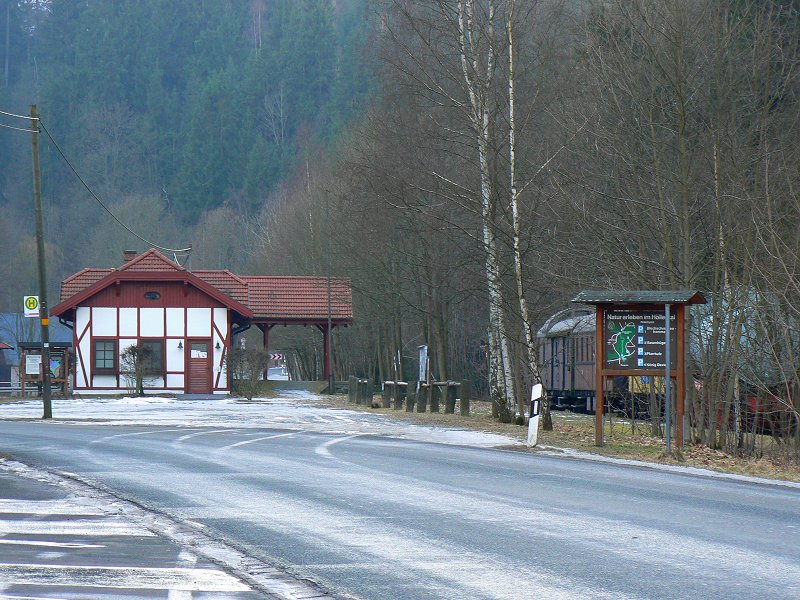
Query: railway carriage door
x: 198, y: 367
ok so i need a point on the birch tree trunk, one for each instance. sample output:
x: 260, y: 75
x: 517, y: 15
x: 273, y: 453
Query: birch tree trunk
x: 530, y: 344
x: 478, y: 88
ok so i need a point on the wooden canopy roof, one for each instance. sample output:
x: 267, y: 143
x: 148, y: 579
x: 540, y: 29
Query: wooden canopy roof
x: 628, y: 297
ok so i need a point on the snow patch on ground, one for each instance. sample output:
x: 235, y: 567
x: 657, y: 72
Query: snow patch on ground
x: 284, y: 412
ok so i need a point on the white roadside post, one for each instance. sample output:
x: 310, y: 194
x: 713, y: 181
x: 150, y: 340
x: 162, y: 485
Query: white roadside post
x: 533, y: 421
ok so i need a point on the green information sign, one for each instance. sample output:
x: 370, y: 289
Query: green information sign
x: 636, y: 340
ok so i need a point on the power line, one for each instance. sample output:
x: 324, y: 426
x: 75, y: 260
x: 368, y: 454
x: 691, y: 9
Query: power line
x: 2, y: 112
x: 16, y: 128
x: 101, y: 203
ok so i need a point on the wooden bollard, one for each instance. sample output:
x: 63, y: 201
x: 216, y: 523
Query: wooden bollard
x: 369, y: 396
x: 399, y: 394
x: 465, y: 392
x: 365, y: 392
x: 411, y: 396
x: 386, y: 393
x: 434, y: 394
x: 422, y: 397
x: 450, y: 398
x: 360, y: 391
x: 352, y: 389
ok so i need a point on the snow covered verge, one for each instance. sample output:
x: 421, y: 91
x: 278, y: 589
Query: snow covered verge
x: 289, y: 410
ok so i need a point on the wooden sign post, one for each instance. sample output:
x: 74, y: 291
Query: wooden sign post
x: 637, y: 334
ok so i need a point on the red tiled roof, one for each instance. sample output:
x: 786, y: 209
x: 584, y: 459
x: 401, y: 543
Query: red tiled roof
x: 227, y: 283
x: 299, y: 297
x: 81, y: 280
x: 4, y: 346
x: 152, y: 260
x: 269, y: 297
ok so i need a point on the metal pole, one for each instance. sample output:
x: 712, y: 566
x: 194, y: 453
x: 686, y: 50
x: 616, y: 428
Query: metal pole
x: 667, y: 380
x: 44, y: 314
x: 331, y: 378
x: 599, y: 374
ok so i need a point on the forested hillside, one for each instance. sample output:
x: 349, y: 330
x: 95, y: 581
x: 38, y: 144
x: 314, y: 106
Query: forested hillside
x: 180, y: 115
x: 470, y: 164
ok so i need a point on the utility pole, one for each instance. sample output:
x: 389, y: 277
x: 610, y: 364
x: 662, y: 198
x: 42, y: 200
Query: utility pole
x: 44, y: 314
x: 331, y: 376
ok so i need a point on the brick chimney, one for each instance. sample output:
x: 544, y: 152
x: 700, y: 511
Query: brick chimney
x: 129, y: 255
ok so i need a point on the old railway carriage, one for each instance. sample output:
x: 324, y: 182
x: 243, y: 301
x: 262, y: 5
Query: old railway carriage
x: 566, y: 357
x: 187, y: 318
x: 566, y: 351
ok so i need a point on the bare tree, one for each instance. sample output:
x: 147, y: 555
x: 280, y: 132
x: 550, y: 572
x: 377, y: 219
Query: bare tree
x: 138, y: 366
x: 246, y: 368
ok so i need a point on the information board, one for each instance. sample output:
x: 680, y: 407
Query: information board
x: 636, y: 340
x: 33, y: 364
x: 423, y: 363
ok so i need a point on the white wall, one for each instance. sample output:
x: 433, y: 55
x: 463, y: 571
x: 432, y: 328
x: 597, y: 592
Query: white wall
x: 175, y: 321
x: 105, y: 381
x: 104, y: 321
x: 174, y: 355
x: 127, y: 322
x: 85, y: 347
x: 175, y: 381
x: 151, y: 322
x: 198, y: 322
x: 220, y: 316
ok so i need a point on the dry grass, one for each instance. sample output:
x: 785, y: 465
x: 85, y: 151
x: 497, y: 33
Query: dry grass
x: 576, y: 431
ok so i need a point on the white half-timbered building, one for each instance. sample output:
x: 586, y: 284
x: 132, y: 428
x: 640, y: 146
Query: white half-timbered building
x: 187, y: 319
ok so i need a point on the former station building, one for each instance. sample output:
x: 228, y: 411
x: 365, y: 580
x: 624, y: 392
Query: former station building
x: 187, y: 318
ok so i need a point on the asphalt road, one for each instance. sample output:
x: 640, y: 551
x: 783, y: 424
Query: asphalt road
x: 54, y: 544
x: 379, y: 518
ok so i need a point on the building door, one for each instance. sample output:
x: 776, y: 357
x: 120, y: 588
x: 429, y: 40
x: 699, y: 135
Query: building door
x: 198, y: 371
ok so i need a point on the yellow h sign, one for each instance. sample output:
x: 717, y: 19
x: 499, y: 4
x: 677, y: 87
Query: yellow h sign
x: 31, y: 304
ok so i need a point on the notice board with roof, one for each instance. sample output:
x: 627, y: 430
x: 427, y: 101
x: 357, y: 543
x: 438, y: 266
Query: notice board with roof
x: 637, y: 333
